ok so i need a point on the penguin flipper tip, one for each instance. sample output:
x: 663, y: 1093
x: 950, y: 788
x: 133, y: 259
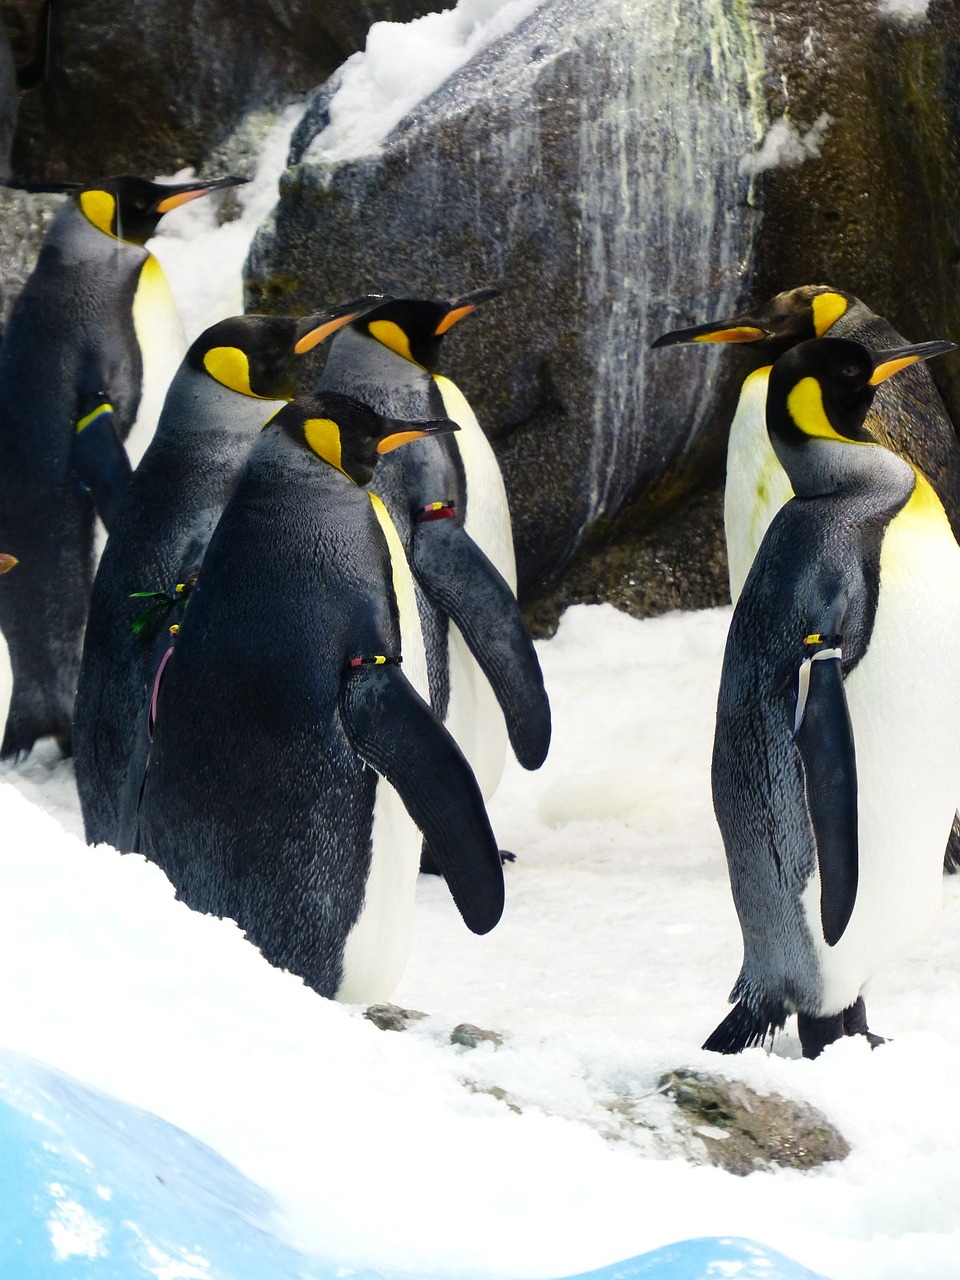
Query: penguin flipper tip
x: 744, y: 1028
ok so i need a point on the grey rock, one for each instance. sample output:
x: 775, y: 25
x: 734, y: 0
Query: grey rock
x: 466, y: 1034
x: 152, y: 88
x: 743, y: 1130
x: 586, y: 164
x: 391, y: 1017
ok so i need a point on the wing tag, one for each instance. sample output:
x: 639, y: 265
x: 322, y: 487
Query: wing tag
x: 803, y: 676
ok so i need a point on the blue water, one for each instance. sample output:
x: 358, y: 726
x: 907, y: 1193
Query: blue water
x: 93, y: 1189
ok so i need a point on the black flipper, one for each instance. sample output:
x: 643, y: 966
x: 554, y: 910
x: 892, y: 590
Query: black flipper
x: 461, y: 579
x: 743, y: 1027
x: 394, y: 731
x: 824, y: 738
x: 100, y: 461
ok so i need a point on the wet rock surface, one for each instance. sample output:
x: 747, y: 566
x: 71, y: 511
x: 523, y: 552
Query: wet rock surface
x: 617, y: 169
x: 542, y: 168
x: 154, y: 91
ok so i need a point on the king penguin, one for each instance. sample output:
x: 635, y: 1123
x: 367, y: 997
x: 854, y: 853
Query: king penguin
x: 837, y: 744
x: 447, y: 499
x: 293, y: 760
x: 233, y: 378
x: 908, y: 416
x: 72, y: 372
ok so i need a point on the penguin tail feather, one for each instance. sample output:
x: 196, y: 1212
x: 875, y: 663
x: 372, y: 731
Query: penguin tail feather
x: 744, y: 1027
x: 951, y: 858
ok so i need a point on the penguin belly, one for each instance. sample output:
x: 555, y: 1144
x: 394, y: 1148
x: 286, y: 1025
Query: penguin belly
x: 756, y: 486
x: 474, y: 717
x: 377, y: 946
x: 160, y: 337
x: 904, y: 704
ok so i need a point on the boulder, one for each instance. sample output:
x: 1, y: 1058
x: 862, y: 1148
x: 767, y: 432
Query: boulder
x: 586, y: 163
x: 619, y: 170
x: 153, y: 88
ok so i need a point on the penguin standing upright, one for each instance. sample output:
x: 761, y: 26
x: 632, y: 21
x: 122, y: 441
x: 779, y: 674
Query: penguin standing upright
x: 837, y: 744
x: 447, y: 499
x: 71, y: 373
x: 282, y: 702
x: 908, y: 416
x: 235, y: 375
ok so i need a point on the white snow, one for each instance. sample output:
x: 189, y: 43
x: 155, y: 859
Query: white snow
x: 905, y: 11
x: 203, y: 258
x: 613, y: 961
x: 785, y: 146
x: 401, y: 64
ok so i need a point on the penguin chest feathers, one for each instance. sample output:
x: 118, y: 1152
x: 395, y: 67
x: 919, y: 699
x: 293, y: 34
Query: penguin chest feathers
x: 904, y: 703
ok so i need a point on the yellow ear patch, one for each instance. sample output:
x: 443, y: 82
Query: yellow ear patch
x: 827, y: 310
x: 805, y: 406
x: 99, y: 208
x: 392, y: 336
x: 231, y: 368
x: 323, y: 437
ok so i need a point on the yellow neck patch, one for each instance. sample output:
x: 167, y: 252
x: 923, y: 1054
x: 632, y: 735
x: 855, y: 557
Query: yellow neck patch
x: 231, y: 368
x: 924, y: 502
x: 805, y: 406
x: 827, y: 310
x: 323, y: 437
x: 99, y: 208
x: 392, y: 336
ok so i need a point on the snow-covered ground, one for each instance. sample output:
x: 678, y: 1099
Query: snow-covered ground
x: 613, y: 961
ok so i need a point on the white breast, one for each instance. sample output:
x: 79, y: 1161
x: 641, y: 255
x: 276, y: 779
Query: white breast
x: 474, y: 717
x: 757, y: 485
x: 904, y: 700
x: 376, y: 950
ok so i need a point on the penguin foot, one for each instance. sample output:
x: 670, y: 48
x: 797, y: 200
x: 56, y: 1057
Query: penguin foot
x: 855, y: 1023
x: 817, y: 1033
x: 506, y: 857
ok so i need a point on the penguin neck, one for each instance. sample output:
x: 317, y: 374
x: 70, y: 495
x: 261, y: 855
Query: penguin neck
x: 74, y: 237
x: 821, y: 468
x: 197, y: 406
x: 360, y: 366
x: 276, y: 455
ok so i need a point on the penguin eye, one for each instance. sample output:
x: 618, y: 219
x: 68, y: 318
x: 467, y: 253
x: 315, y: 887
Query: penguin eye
x: 850, y: 370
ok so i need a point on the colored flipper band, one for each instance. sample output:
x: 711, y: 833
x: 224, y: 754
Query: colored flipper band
x: 162, y: 600
x: 92, y: 416
x: 378, y: 660
x: 435, y: 511
x: 803, y: 676
x: 152, y: 715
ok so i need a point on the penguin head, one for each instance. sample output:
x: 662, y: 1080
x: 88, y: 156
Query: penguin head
x: 256, y: 355
x: 129, y: 208
x: 414, y: 327
x: 791, y: 317
x: 818, y: 395
x: 347, y: 434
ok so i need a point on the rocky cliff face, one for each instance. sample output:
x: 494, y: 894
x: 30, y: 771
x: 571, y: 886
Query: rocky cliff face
x: 617, y: 169
x: 585, y: 164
